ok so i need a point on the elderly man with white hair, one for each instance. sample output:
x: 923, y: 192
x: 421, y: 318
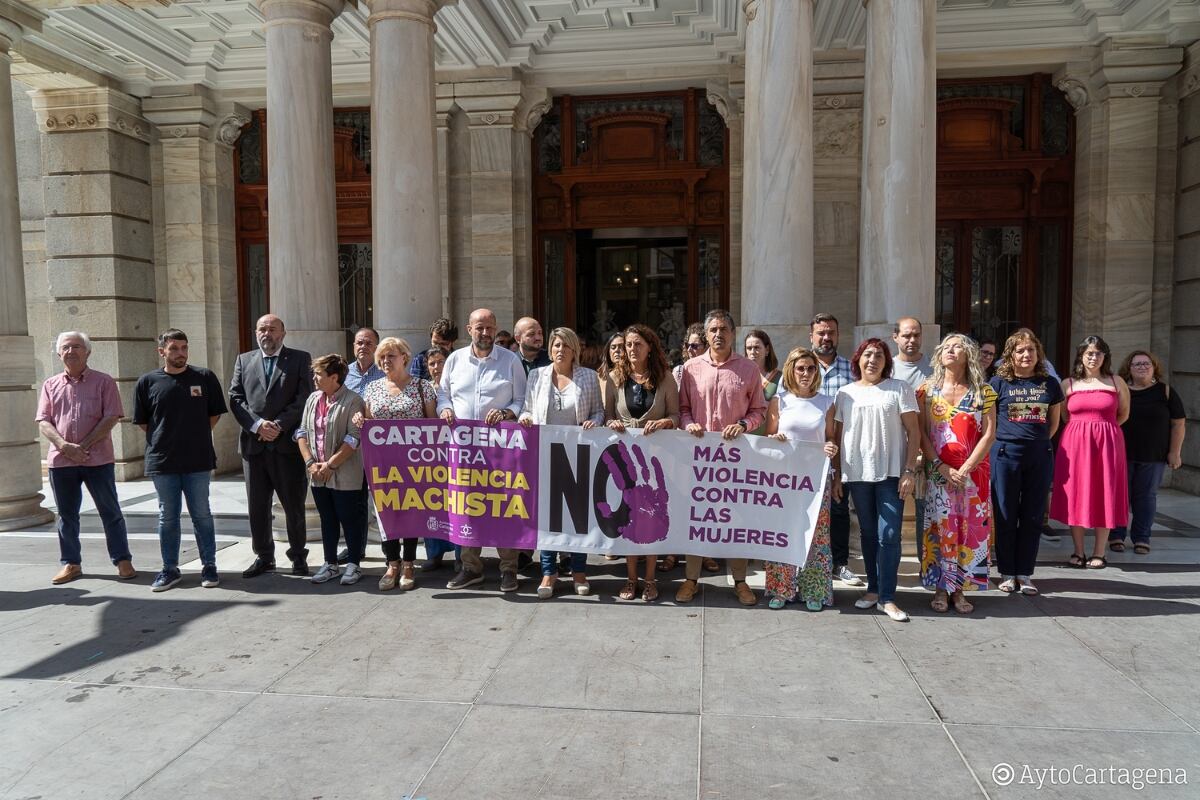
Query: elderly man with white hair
x: 76, y: 412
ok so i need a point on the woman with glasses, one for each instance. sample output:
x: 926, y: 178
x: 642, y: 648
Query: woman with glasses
x: 800, y: 413
x: 640, y: 394
x: 694, y: 343
x: 563, y: 393
x: 758, y: 348
x: 1091, y: 488
x: 1153, y: 441
x: 398, y: 395
x: 987, y: 356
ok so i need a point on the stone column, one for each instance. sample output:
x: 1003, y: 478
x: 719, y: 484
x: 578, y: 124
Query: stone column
x: 406, y: 224
x: 196, y: 257
x: 20, y: 459
x: 777, y: 184
x: 300, y: 183
x: 500, y: 116
x: 896, y: 237
x: 1117, y: 99
x: 99, y: 238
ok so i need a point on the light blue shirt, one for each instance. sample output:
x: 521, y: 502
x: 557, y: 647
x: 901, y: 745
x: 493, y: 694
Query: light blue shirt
x: 472, y: 386
x: 357, y: 381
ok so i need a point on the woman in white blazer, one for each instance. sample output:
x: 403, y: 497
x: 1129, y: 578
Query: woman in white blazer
x: 563, y: 393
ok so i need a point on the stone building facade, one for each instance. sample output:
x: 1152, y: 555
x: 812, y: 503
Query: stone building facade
x: 127, y: 203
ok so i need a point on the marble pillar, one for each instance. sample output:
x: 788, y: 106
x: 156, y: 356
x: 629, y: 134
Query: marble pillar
x: 896, y: 233
x: 302, y: 217
x: 195, y: 230
x: 99, y: 238
x: 406, y: 223
x: 1118, y: 237
x: 20, y: 459
x: 777, y: 183
x: 1184, y: 358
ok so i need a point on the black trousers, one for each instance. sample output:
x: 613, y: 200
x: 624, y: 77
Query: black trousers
x: 391, y: 549
x: 268, y: 474
x: 839, y: 529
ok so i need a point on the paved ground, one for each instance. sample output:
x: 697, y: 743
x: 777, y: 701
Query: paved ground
x: 276, y: 688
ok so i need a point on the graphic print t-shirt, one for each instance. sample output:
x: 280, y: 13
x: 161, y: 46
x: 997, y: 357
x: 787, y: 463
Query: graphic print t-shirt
x: 1023, y: 407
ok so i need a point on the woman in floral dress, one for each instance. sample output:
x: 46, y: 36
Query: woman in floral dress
x: 799, y: 413
x: 958, y: 425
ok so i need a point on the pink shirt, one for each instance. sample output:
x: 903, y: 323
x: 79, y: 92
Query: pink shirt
x: 718, y: 396
x: 75, y: 406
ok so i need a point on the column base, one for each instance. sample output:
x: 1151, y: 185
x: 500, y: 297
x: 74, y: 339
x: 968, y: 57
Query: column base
x: 931, y: 335
x: 316, y: 343
x: 24, y: 513
x: 417, y: 338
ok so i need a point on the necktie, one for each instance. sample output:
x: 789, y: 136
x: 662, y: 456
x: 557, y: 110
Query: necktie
x: 269, y: 366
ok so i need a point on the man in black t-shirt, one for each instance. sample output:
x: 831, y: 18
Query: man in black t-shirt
x: 178, y: 406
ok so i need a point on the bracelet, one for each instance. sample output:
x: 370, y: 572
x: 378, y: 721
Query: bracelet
x: 309, y: 462
x: 909, y: 472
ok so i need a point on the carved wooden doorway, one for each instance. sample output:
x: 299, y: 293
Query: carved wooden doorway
x: 1005, y: 190
x: 638, y: 181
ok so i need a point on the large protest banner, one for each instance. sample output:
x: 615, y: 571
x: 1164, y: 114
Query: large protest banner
x: 598, y: 491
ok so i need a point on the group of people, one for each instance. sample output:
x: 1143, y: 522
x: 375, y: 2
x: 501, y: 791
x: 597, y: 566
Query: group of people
x: 967, y: 432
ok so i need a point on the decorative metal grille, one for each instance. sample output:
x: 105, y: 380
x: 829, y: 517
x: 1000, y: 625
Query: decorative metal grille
x: 250, y: 151
x: 360, y: 122
x: 257, y: 296
x: 712, y: 134
x: 548, y: 138
x: 354, y: 284
x: 708, y: 277
x: 1056, y: 123
x: 586, y: 110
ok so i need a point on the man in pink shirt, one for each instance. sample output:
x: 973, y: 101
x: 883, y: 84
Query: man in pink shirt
x: 77, y: 410
x: 720, y: 391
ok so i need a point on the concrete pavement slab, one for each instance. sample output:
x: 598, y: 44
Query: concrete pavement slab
x: 604, y: 655
x: 1016, y: 762
x: 513, y: 753
x: 366, y: 749
x: 781, y: 759
x: 793, y: 663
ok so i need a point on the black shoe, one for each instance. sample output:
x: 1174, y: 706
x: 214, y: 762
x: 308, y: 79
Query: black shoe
x: 259, y: 566
x: 299, y: 567
x: 464, y: 579
x: 508, y: 582
x: 343, y: 556
x: 524, y: 561
x: 432, y: 564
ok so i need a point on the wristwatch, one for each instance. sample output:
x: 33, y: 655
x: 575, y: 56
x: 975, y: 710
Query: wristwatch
x: 745, y: 425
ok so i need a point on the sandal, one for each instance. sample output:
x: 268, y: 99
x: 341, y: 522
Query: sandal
x: 940, y: 604
x: 776, y: 603
x: 668, y: 563
x: 1141, y: 548
x: 1027, y: 587
x: 628, y: 591
x: 1008, y: 585
x: 650, y: 593
x: 711, y: 565
x: 1103, y: 562
x: 1117, y: 546
x: 961, y: 605
x: 1076, y: 561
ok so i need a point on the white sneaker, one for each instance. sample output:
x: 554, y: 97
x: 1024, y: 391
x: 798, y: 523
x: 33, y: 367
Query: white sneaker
x: 327, y: 572
x: 351, y: 575
x: 847, y: 577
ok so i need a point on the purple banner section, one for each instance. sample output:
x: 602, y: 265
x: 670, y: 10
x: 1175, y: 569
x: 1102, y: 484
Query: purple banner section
x: 471, y: 483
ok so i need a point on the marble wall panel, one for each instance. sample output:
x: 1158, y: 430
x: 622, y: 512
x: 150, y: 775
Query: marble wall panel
x: 71, y: 236
x: 1187, y: 258
x: 97, y: 193
x: 1129, y: 216
x: 1189, y: 166
x: 106, y: 317
x: 95, y: 151
x: 99, y: 276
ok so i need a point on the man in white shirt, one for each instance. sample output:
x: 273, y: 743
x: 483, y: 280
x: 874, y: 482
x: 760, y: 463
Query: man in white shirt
x: 912, y: 367
x: 482, y: 382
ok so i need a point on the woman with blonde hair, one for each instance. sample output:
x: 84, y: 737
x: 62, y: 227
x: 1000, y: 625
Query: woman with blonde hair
x: 958, y: 426
x: 398, y: 395
x: 799, y: 412
x: 563, y: 393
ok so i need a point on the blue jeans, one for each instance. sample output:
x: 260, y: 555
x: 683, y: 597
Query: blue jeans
x: 67, y: 484
x: 880, y: 515
x: 341, y: 510
x: 550, y: 562
x: 1021, y: 477
x: 436, y: 548
x: 172, y: 489
x: 1144, y: 479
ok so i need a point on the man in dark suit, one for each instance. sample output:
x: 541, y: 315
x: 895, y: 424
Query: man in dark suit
x: 267, y: 396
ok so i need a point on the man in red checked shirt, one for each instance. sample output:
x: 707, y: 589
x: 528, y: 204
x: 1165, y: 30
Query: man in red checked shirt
x: 720, y: 391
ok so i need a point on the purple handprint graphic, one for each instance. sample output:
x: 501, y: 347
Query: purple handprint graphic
x: 642, y: 516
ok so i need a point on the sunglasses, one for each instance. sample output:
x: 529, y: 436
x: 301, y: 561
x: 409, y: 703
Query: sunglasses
x: 695, y: 347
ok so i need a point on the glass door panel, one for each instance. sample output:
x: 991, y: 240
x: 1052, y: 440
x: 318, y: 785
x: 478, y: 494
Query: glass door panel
x: 1049, y: 261
x: 354, y: 283
x: 995, y: 280
x: 947, y: 260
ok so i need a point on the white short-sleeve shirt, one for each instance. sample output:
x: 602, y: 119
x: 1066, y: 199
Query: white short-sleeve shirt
x: 873, y: 442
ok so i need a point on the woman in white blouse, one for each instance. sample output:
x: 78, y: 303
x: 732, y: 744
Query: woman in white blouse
x: 876, y: 420
x: 563, y: 393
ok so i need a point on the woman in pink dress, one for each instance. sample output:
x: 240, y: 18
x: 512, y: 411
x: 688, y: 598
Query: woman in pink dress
x: 1090, y: 485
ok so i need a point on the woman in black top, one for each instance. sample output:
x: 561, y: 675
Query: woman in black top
x: 1153, y: 441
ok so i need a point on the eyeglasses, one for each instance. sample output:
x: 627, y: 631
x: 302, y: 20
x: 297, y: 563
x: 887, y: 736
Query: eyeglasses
x: 1141, y: 365
x: 805, y: 369
x: 695, y: 346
